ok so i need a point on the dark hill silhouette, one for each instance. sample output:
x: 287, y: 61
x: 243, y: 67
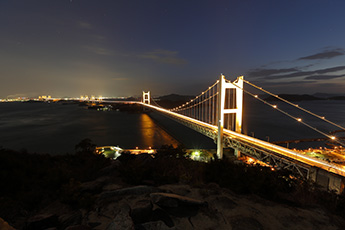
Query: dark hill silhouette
x: 173, y: 100
x: 294, y: 97
x: 175, y: 97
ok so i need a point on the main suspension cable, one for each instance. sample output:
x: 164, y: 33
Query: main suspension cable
x: 333, y: 138
x: 196, y: 98
x: 295, y: 105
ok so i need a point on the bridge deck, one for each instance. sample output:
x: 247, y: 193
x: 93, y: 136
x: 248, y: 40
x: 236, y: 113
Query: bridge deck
x: 255, y: 146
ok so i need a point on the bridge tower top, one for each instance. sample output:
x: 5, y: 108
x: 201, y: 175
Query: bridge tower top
x: 146, y: 97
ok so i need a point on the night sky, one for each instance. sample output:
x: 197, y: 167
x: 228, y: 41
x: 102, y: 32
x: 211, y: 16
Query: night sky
x: 121, y: 47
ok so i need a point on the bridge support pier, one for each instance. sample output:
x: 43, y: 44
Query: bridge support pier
x: 327, y: 180
x: 220, y: 140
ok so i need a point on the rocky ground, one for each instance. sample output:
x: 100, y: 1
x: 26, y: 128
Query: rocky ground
x: 117, y: 205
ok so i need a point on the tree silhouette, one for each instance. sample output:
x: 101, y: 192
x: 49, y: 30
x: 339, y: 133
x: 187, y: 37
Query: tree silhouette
x: 85, y: 146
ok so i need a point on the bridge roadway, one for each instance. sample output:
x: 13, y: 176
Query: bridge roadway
x: 272, y: 154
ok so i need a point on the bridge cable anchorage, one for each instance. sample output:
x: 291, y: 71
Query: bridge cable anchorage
x: 295, y: 105
x: 333, y: 138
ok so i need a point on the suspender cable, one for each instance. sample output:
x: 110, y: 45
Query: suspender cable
x: 286, y: 101
x: 293, y: 117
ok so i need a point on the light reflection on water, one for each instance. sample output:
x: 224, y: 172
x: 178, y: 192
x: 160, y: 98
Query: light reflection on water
x: 151, y: 133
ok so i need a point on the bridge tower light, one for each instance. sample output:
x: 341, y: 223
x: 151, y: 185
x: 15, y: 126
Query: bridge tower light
x: 146, y: 97
x: 222, y: 86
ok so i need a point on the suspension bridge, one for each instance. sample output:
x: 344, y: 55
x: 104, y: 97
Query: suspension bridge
x: 217, y: 113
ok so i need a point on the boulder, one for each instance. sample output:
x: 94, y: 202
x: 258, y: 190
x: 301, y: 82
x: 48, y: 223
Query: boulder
x: 171, y: 200
x: 179, y: 189
x: 122, y: 220
x: 176, y: 205
x: 141, y: 211
x: 5, y: 226
x: 97, y: 220
x: 136, y: 190
x: 245, y: 223
x: 78, y: 227
x: 42, y: 221
x: 93, y: 186
x: 224, y: 202
x: 155, y: 225
x: 159, y: 214
x: 71, y: 219
x: 112, y: 187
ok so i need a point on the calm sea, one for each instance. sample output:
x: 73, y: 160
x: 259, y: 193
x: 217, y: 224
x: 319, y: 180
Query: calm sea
x: 55, y: 128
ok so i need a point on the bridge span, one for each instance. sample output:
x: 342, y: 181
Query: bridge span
x: 208, y: 114
x: 217, y: 113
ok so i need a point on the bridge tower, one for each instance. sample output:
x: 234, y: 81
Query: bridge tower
x: 222, y: 87
x: 146, y: 97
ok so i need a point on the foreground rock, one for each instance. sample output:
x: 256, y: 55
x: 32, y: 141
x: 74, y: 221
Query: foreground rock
x: 171, y: 200
x: 43, y: 221
x: 175, y: 206
x: 5, y: 226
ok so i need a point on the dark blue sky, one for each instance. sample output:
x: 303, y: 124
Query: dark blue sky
x: 121, y: 47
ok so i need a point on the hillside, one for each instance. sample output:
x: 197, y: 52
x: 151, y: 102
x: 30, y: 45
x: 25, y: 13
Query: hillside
x: 85, y: 191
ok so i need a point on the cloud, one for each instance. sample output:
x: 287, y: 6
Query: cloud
x: 163, y: 56
x: 308, y: 73
x: 98, y: 50
x: 268, y: 72
x: 84, y: 25
x: 98, y: 37
x: 119, y: 79
x: 285, y: 83
x: 323, y: 77
x: 277, y: 73
x: 290, y: 77
x: 327, y: 54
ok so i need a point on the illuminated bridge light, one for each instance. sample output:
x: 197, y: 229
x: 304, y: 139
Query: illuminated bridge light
x: 295, y: 155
